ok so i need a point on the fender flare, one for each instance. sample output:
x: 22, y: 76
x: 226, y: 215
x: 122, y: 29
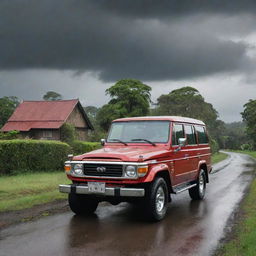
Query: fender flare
x: 155, y: 170
x: 203, y: 163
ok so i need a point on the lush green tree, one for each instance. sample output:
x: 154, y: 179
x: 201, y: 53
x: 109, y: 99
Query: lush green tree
x: 51, y: 95
x: 129, y: 98
x: 188, y: 102
x: 98, y: 133
x: 91, y: 111
x: 7, y: 106
x: 235, y: 135
x: 249, y: 117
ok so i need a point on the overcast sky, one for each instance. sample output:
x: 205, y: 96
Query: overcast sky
x: 79, y: 48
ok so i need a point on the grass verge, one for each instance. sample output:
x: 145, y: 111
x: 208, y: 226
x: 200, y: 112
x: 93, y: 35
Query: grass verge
x: 217, y: 157
x: 242, y: 241
x: 26, y: 190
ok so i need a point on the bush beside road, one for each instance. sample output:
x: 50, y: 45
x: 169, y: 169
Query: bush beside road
x: 19, y: 156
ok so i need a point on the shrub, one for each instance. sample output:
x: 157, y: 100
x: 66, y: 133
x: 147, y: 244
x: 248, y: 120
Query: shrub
x: 68, y: 133
x: 214, y: 146
x: 32, y: 155
x: 9, y: 135
x: 247, y: 147
x: 80, y: 147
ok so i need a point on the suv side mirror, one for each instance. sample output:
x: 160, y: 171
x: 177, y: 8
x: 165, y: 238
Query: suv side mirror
x: 102, y: 141
x: 182, y: 143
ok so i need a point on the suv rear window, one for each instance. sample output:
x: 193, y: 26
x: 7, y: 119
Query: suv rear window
x: 202, y: 136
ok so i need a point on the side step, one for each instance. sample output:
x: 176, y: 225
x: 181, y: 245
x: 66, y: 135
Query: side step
x: 180, y: 188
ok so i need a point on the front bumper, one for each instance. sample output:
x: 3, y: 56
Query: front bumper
x: 109, y: 191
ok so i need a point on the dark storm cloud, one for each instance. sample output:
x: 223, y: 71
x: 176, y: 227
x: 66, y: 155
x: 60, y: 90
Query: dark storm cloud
x: 159, y: 41
x: 160, y: 8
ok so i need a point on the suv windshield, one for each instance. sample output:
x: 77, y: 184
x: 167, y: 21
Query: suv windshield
x: 153, y: 131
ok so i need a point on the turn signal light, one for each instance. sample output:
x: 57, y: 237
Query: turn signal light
x: 67, y: 168
x: 142, y: 170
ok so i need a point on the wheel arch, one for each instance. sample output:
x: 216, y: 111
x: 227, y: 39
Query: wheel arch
x: 203, y: 166
x: 166, y: 176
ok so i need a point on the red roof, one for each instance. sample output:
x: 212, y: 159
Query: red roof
x: 41, y: 114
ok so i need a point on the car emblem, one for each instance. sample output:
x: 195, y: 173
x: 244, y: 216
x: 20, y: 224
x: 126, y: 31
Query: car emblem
x: 101, y: 169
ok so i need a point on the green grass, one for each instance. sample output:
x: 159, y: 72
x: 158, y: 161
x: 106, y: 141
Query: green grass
x: 26, y: 190
x: 250, y: 153
x: 243, y: 241
x: 217, y: 157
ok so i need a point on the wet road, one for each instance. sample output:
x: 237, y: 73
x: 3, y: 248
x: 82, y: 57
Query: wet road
x: 190, y: 228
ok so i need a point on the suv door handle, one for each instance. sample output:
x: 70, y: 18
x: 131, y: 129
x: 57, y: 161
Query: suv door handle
x: 186, y: 155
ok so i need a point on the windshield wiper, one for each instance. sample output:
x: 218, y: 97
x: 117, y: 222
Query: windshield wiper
x: 117, y: 140
x: 150, y: 142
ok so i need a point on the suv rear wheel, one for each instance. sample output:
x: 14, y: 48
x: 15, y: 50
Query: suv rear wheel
x: 198, y: 192
x: 156, y: 199
x: 81, y: 204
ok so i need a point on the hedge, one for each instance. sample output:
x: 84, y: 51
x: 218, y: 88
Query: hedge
x: 32, y: 155
x: 81, y: 147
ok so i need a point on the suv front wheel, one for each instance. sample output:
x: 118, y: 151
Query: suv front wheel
x: 156, y: 199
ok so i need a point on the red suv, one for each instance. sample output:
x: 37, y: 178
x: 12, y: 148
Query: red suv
x: 143, y: 161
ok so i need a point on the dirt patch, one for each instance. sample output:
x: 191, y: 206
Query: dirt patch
x: 13, y: 217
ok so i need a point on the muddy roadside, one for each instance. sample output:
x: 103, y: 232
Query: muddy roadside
x: 13, y: 217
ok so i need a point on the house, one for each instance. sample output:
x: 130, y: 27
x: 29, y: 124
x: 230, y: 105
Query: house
x: 44, y: 119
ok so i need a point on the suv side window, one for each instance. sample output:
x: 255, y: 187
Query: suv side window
x: 177, y: 132
x: 191, y: 136
x: 202, y: 136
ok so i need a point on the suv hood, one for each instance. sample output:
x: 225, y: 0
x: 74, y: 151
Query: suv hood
x: 126, y: 154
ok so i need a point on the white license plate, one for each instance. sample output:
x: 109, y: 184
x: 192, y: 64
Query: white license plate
x: 96, y: 187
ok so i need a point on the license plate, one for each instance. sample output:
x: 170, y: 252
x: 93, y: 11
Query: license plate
x: 96, y: 187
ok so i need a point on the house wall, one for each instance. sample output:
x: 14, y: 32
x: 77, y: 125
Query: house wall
x: 76, y: 118
x: 46, y: 134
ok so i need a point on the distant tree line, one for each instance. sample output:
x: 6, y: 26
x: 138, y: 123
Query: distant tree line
x: 130, y: 97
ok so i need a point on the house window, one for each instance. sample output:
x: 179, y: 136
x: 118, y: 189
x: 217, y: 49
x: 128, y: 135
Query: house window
x: 47, y: 133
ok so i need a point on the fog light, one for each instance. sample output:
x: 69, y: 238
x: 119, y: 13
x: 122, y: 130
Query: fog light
x: 78, y: 169
x: 130, y: 171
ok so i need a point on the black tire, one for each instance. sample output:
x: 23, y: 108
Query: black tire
x: 198, y: 192
x: 81, y: 204
x: 156, y: 200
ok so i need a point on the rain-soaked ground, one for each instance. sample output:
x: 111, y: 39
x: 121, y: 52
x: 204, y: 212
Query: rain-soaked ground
x: 190, y: 227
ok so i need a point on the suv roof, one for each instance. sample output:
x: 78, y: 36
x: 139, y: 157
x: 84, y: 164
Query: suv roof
x: 161, y: 118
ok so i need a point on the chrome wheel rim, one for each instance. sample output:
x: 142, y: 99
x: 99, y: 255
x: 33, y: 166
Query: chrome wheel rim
x: 160, y: 199
x: 201, y: 184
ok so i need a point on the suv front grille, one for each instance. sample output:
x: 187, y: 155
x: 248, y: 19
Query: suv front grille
x: 106, y: 170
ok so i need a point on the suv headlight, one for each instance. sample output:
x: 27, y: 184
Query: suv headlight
x: 78, y: 169
x: 130, y: 171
